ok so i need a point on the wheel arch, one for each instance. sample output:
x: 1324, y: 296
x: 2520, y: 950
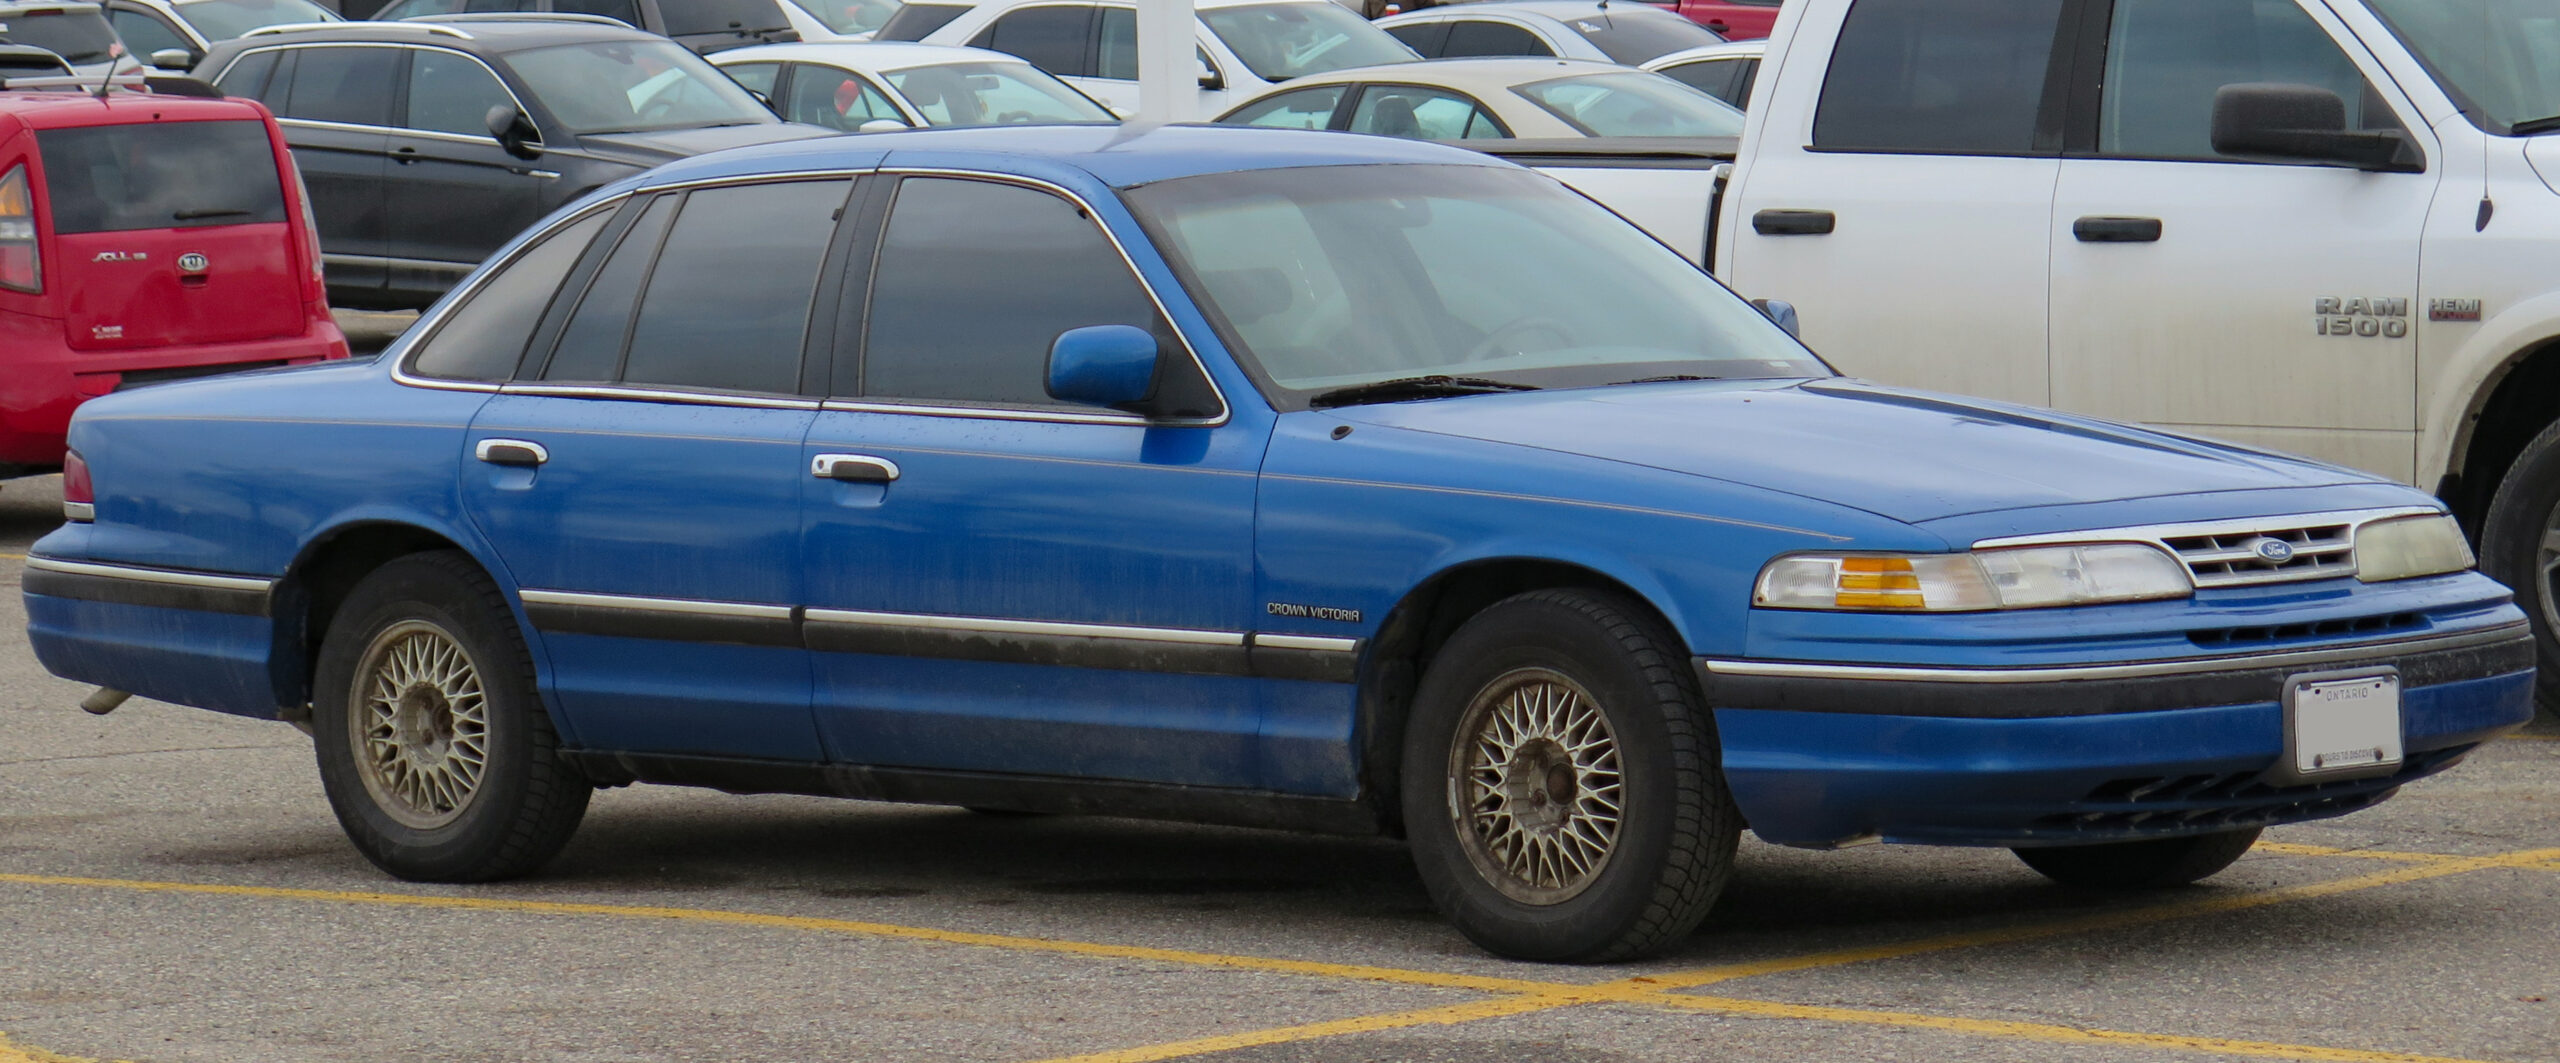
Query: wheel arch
x: 2495, y: 397
x: 330, y: 564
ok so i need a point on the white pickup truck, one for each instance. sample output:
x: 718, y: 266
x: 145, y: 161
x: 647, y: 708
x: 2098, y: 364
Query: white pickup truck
x: 2330, y: 227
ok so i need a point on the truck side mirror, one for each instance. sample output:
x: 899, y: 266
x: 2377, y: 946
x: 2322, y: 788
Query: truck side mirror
x: 2303, y: 122
x: 514, y: 131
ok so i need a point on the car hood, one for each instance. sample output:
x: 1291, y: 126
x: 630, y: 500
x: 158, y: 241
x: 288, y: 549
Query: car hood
x: 666, y: 145
x: 1908, y: 455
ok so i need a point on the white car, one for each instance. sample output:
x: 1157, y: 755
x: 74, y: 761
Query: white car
x: 77, y: 32
x: 1725, y: 71
x: 1246, y: 46
x: 151, y: 27
x: 1622, y: 32
x: 1489, y: 99
x: 838, y: 20
x: 858, y: 87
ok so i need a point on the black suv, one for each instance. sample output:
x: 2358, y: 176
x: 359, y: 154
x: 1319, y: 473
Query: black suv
x: 427, y: 145
x: 706, y: 26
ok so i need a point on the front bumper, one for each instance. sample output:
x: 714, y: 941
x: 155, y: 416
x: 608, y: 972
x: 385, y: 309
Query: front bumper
x: 1828, y: 754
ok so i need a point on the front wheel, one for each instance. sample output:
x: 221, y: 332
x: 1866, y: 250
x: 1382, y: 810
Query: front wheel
x: 1561, y: 785
x: 2149, y: 864
x: 2520, y: 547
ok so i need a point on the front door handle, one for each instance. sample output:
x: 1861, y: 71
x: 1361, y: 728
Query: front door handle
x: 2102, y: 230
x: 1793, y: 222
x: 853, y: 468
x: 405, y: 156
x: 523, y: 453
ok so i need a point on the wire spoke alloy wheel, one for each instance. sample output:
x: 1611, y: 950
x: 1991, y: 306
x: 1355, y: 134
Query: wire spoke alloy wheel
x: 1535, y: 786
x: 421, y: 724
x: 2547, y: 561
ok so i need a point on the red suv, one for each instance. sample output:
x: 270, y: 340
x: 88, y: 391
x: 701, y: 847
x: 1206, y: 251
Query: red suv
x: 144, y: 237
x: 1733, y: 20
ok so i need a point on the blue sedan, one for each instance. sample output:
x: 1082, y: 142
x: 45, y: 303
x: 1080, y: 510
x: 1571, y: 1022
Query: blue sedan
x: 1248, y: 476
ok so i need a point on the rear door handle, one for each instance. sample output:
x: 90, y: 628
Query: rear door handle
x: 405, y: 155
x: 2103, y: 230
x: 518, y: 452
x: 1793, y: 222
x: 853, y: 468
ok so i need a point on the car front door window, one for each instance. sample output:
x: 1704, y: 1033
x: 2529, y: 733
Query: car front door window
x: 840, y: 99
x: 450, y: 92
x: 1303, y: 109
x: 1417, y: 113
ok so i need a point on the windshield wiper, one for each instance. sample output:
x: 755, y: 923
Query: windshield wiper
x: 195, y: 213
x: 2532, y: 126
x: 1414, y: 387
x: 1664, y: 379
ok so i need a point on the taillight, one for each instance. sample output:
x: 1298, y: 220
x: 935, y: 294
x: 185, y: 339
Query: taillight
x: 310, y: 225
x: 21, y: 265
x: 79, y: 497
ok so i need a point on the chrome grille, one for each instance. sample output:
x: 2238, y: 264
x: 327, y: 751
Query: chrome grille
x: 2230, y: 558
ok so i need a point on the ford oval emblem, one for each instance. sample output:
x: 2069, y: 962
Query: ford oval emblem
x: 2272, y: 551
x: 194, y: 262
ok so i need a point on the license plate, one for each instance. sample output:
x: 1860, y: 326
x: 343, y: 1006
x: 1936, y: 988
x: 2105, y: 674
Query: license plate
x: 2341, y: 725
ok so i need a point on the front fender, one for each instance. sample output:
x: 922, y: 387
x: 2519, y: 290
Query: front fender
x: 2471, y: 374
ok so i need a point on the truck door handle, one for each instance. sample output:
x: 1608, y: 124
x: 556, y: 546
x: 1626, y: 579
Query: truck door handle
x: 518, y: 452
x: 1793, y: 222
x: 853, y: 468
x: 2099, y: 230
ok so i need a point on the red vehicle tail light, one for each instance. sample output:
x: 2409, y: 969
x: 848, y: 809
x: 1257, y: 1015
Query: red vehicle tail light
x: 21, y: 265
x: 76, y: 489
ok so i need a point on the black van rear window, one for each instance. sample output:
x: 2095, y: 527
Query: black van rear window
x: 160, y: 175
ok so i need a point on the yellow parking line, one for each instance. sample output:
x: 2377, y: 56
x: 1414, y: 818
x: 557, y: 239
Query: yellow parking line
x: 2291, y: 849
x: 13, y: 1052
x: 2535, y: 738
x: 1455, y: 1013
x: 2039, y: 1031
x: 15, y: 557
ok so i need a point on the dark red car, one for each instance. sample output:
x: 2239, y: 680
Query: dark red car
x: 144, y: 237
x: 1734, y: 20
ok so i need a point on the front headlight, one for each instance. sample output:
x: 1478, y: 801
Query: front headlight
x: 2033, y: 577
x: 2405, y: 547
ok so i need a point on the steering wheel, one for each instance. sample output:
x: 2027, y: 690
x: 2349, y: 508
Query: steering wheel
x: 1493, y: 342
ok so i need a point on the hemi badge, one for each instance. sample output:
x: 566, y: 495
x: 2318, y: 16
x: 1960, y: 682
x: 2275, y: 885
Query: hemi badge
x: 2453, y: 309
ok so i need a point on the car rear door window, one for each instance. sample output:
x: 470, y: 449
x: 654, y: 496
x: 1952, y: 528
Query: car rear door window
x: 161, y: 175
x: 727, y: 306
x: 1715, y: 77
x: 590, y: 346
x: 1303, y: 109
x: 450, y: 92
x: 350, y: 86
x: 1963, y: 77
x: 1427, y: 39
x: 486, y: 336
x: 1058, y: 39
x: 1417, y: 113
x: 1484, y: 37
x: 2166, y: 59
x: 757, y: 77
x: 976, y: 279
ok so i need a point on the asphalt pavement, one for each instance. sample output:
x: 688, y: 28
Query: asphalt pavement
x: 173, y: 887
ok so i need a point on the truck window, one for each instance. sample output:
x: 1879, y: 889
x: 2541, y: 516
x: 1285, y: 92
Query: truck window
x: 1957, y: 77
x: 2167, y: 58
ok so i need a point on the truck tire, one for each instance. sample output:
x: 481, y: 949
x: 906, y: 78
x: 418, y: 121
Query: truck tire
x: 2141, y: 865
x: 1562, y: 785
x: 434, y: 747
x: 2520, y: 547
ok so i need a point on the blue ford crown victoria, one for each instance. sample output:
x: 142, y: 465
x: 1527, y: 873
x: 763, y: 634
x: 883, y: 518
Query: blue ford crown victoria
x: 1291, y: 479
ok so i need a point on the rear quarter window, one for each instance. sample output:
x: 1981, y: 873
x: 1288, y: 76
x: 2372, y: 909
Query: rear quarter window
x: 160, y: 175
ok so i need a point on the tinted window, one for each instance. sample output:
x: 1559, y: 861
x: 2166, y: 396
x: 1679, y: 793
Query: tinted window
x: 144, y: 34
x: 483, y: 339
x: 1303, y: 109
x: 757, y: 77
x: 76, y: 36
x: 623, y: 11
x: 1427, y: 39
x: 160, y: 176
x: 222, y: 20
x: 720, y: 16
x: 728, y: 304
x: 826, y: 96
x: 451, y: 93
x: 976, y: 280
x: 1417, y: 113
x: 1478, y: 37
x: 247, y: 75
x: 590, y: 347
x: 2167, y: 58
x: 1633, y: 34
x: 482, y: 6
x: 350, y: 85
x: 415, y: 8
x: 915, y: 21
x: 1715, y: 77
x: 1939, y: 76
x: 1054, y: 39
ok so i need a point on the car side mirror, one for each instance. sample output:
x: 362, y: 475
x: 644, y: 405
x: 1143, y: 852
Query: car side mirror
x: 514, y: 131
x: 179, y: 59
x: 2304, y: 122
x: 1104, y: 365
x: 766, y: 100
x: 880, y: 125
x: 1782, y: 312
x: 1209, y: 78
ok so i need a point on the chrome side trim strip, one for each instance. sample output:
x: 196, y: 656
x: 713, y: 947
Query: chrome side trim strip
x: 631, y: 394
x: 992, y: 413
x: 172, y: 577
x: 80, y: 512
x: 2133, y: 670
x: 387, y: 262
x: 2154, y: 533
x: 1306, y: 642
x: 990, y: 625
x: 687, y: 606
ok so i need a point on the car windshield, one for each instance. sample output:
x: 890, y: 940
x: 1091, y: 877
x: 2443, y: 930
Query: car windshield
x: 1633, y: 33
x: 1330, y: 277
x: 2499, y: 59
x: 1282, y: 41
x: 222, y: 20
x: 993, y: 94
x: 78, y: 35
x: 633, y: 86
x: 1633, y: 104
x: 850, y: 16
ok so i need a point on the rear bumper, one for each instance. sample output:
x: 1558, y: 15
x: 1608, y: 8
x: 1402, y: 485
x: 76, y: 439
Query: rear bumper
x: 1823, y: 755
x: 42, y: 380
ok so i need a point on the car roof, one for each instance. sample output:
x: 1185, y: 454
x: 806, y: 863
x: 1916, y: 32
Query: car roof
x: 1476, y: 77
x: 40, y: 109
x: 1727, y: 50
x: 1204, y: 5
x: 494, y: 36
x: 861, y: 55
x: 1120, y: 156
x: 73, y: 6
x: 1560, y: 10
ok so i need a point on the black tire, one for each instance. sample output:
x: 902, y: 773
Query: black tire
x: 421, y: 612
x: 1671, y: 848
x: 2143, y: 865
x: 2525, y: 512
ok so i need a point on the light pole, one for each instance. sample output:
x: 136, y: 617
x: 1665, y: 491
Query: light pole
x: 1168, y: 72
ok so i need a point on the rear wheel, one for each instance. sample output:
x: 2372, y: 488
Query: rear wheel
x: 434, y: 748
x: 2140, y: 865
x: 1561, y: 782
x: 2520, y: 547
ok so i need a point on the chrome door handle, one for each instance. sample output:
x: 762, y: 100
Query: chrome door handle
x: 853, y: 468
x: 519, y: 452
